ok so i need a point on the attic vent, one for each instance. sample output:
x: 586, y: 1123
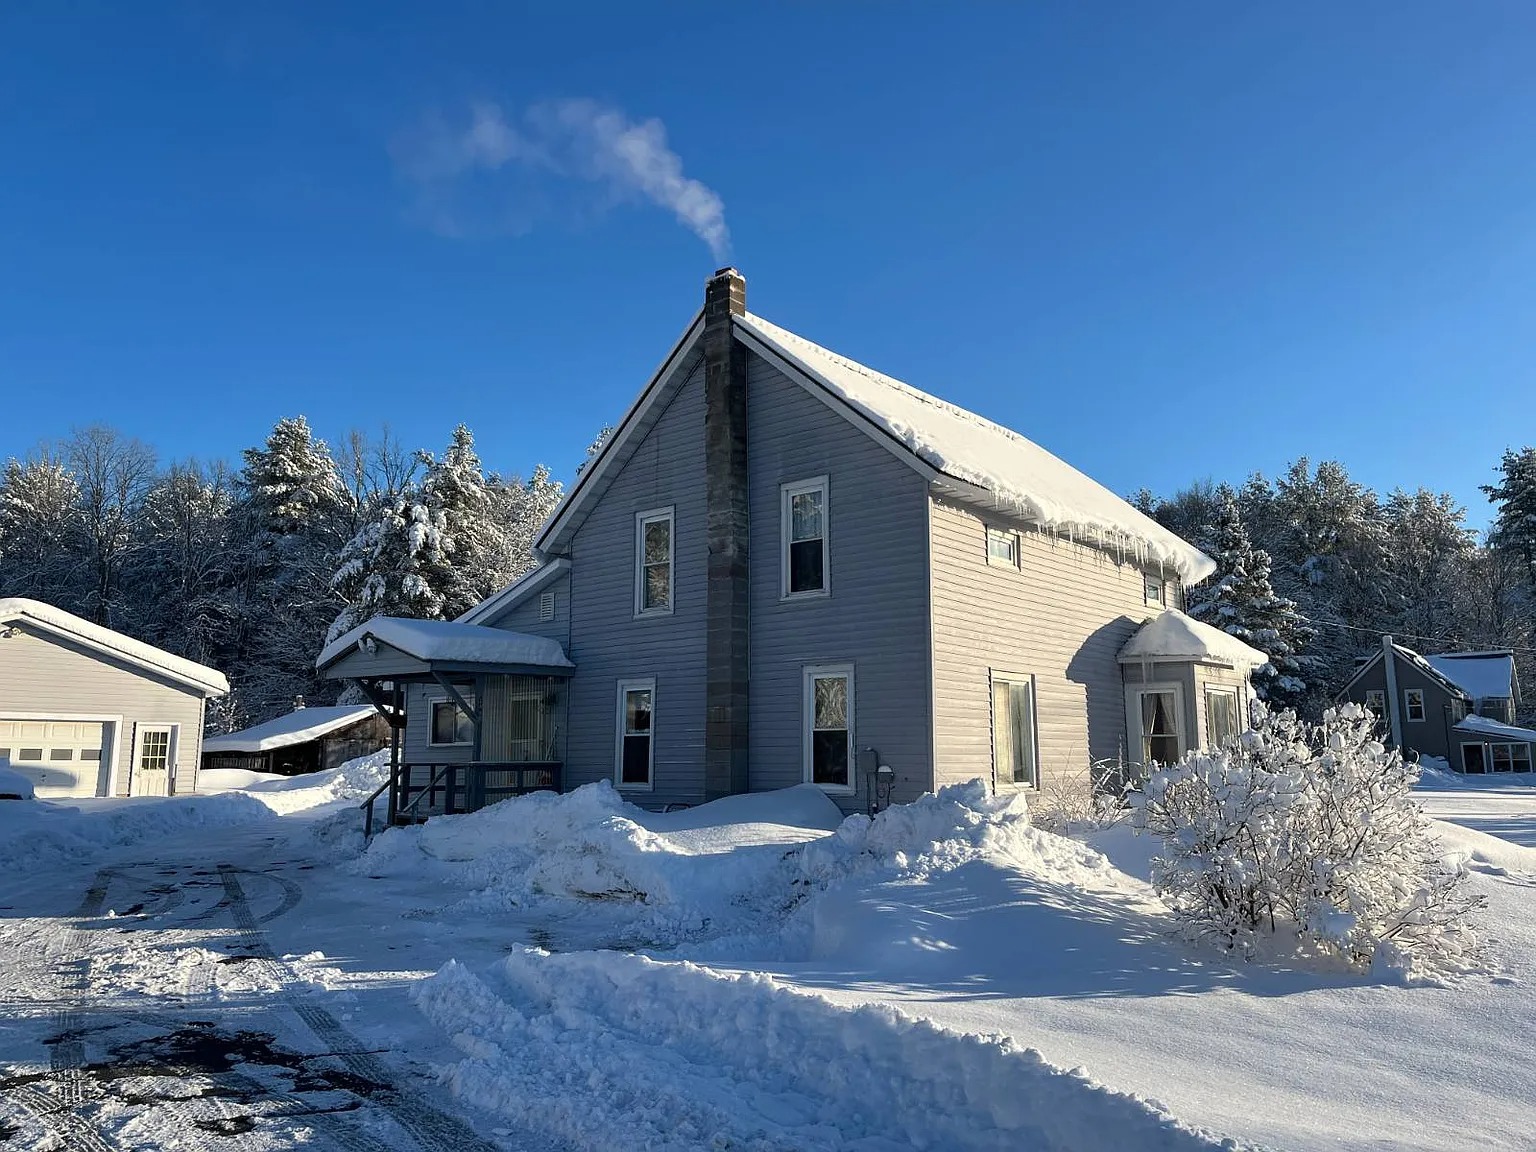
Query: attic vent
x: 547, y: 606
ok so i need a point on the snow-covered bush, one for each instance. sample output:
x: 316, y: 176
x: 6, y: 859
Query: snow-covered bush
x: 1310, y: 829
x: 1070, y: 803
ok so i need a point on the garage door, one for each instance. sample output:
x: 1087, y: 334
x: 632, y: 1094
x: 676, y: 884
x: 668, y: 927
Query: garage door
x: 62, y: 757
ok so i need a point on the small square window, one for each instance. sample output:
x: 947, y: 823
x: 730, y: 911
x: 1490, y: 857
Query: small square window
x: 1413, y: 703
x: 1154, y: 590
x: 1376, y: 702
x: 451, y: 725
x: 1003, y: 547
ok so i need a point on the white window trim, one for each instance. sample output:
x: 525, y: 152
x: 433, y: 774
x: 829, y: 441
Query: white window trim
x: 1380, y: 707
x: 432, y: 703
x: 787, y: 492
x: 1408, y: 709
x: 997, y: 561
x: 636, y: 684
x: 1000, y: 676
x: 1133, y: 731
x: 1205, y: 718
x: 1161, y: 599
x: 808, y: 675
x: 651, y: 516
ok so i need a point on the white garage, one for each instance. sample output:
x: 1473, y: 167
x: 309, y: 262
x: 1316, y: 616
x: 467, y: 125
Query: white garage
x: 87, y: 711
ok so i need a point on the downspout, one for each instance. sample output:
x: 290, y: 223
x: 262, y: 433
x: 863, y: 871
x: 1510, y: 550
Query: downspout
x: 1388, y: 661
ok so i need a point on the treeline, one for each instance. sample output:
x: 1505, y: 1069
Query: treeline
x: 1314, y: 567
x: 251, y: 570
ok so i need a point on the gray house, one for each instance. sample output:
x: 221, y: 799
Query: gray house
x: 785, y: 567
x: 86, y: 711
x: 1458, y: 706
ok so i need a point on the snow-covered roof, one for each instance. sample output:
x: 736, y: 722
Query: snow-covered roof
x: 450, y: 641
x: 1171, y: 635
x: 1037, y: 485
x: 1483, y: 726
x: 66, y: 624
x: 516, y: 592
x: 936, y: 437
x: 1481, y: 675
x: 297, y: 727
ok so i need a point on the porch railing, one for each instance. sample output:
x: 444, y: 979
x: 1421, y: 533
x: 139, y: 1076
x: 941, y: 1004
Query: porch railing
x: 418, y: 790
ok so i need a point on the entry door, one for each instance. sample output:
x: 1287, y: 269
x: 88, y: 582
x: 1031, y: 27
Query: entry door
x: 1472, y: 758
x: 152, y: 760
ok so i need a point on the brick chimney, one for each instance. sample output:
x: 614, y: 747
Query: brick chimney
x: 725, y: 502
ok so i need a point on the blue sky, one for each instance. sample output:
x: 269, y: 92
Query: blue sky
x: 1165, y: 241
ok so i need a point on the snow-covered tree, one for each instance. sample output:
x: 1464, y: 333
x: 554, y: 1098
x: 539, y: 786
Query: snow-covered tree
x: 522, y: 507
x: 113, y: 473
x: 1312, y: 831
x: 40, y: 532
x: 394, y: 566
x: 1514, y: 526
x: 468, y: 561
x: 1240, y: 601
x: 1430, y: 548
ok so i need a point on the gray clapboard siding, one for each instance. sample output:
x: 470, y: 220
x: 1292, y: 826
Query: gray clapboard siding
x: 1062, y: 616
x: 877, y: 615
x: 608, y: 643
x: 416, y: 746
x: 524, y: 617
x: 45, y: 675
x: 1431, y: 736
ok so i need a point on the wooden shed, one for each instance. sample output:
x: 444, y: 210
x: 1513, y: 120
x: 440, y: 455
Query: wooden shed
x: 304, y: 740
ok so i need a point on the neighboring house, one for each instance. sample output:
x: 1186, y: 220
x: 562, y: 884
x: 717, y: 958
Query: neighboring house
x: 785, y: 567
x: 1458, y: 706
x: 304, y: 740
x: 86, y: 711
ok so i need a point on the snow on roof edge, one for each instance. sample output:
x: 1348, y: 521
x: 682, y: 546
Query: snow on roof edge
x: 450, y: 640
x: 1043, y: 487
x: 110, y: 640
x: 1487, y: 726
x: 510, y: 595
x: 1171, y: 635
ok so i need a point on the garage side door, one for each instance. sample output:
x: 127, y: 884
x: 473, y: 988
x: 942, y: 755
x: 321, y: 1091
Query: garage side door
x: 61, y: 757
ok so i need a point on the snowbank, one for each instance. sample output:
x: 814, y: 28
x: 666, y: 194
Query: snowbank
x: 615, y: 1051
x: 213, y: 780
x: 14, y: 785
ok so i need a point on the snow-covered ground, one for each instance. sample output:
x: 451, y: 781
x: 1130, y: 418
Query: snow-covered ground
x: 755, y: 974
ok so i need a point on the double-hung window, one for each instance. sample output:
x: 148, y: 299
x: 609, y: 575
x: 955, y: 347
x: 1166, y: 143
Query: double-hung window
x: 1221, y: 723
x: 653, y: 562
x: 635, y: 755
x: 1413, y: 703
x: 1161, y: 738
x: 828, y: 719
x: 803, y: 524
x: 1376, y: 702
x: 1015, y: 752
x: 1002, y: 547
x: 451, y: 725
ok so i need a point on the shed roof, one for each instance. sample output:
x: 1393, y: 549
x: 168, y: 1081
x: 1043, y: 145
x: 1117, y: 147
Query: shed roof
x: 1171, y: 635
x: 297, y: 727
x: 1483, y: 726
x: 209, y: 681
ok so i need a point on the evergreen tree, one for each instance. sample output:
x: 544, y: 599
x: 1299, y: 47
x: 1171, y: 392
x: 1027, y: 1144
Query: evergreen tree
x: 467, y: 565
x: 1242, y: 603
x: 1514, y: 527
x: 394, y: 566
x: 1425, y: 565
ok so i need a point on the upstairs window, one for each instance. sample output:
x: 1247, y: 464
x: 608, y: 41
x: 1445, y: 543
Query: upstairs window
x: 1376, y: 702
x: 1154, y: 590
x: 653, y: 562
x: 803, y: 517
x: 1002, y: 547
x: 1413, y: 703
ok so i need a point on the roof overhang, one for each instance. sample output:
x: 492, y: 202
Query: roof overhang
x: 516, y: 592
x: 403, y: 650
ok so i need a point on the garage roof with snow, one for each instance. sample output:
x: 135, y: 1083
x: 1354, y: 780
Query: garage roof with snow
x: 1481, y: 675
x: 66, y: 625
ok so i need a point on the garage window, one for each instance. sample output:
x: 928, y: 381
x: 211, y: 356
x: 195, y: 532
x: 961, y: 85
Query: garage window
x: 61, y: 753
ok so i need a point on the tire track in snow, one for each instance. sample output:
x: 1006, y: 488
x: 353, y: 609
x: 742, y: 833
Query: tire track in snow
x: 433, y: 1131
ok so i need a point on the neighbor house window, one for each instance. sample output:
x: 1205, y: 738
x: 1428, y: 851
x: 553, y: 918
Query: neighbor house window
x: 1221, y: 724
x: 1154, y: 590
x: 803, y: 522
x: 653, y: 562
x: 1511, y: 757
x: 451, y: 725
x: 1002, y: 547
x: 1413, y: 703
x: 1015, y: 755
x: 1376, y: 702
x: 1158, y: 709
x: 828, y: 749
x: 635, y: 754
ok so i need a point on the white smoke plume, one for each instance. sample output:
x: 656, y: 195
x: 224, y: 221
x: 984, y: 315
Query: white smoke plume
x: 574, y: 140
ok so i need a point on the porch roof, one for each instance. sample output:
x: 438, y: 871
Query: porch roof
x: 1171, y: 635
x: 425, y: 648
